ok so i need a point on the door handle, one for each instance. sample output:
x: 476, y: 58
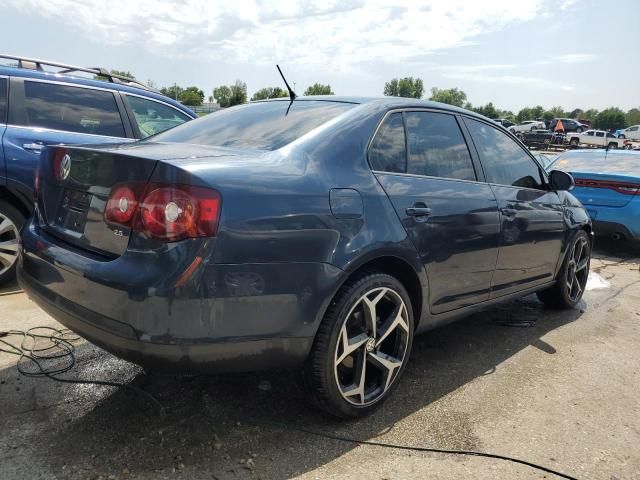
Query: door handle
x: 36, y: 147
x: 418, y: 211
x: 509, y: 212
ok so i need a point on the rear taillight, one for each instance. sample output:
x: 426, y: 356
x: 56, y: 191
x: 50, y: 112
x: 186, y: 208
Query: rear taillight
x: 166, y: 212
x: 626, y: 188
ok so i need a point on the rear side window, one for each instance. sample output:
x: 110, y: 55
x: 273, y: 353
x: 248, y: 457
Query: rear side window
x: 3, y: 100
x: 437, y: 147
x: 504, y: 161
x: 154, y: 117
x: 387, y: 152
x: 72, y: 109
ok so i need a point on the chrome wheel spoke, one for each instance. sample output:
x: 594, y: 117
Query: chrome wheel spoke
x: 361, y: 376
x: 582, y: 264
x: 350, y: 345
x: 396, y: 320
x: 6, y: 225
x: 370, y: 310
x: 388, y: 363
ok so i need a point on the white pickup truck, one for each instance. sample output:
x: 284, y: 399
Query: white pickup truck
x: 595, y: 138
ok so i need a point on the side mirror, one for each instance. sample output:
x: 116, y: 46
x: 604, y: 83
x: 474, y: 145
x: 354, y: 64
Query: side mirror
x: 560, y: 180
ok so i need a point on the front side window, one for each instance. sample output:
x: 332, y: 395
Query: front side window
x: 590, y: 133
x: 504, y: 161
x: 437, y: 147
x: 387, y: 152
x: 72, y: 109
x: 3, y: 100
x: 599, y: 134
x: 154, y: 117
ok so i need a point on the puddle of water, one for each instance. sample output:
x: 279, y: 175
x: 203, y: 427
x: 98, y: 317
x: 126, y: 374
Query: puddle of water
x: 596, y: 282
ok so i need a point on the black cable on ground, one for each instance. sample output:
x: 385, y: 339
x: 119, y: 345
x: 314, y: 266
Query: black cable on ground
x: 407, y: 447
x: 61, y: 348
x: 13, y: 292
x: 59, y: 352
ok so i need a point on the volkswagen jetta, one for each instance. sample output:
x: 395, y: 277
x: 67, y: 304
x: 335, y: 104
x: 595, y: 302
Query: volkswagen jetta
x: 319, y: 234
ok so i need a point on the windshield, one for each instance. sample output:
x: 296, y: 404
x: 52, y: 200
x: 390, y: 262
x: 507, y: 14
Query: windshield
x: 618, y: 163
x: 263, y: 126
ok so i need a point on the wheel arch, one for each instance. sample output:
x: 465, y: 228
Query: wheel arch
x: 8, y: 196
x: 411, y: 276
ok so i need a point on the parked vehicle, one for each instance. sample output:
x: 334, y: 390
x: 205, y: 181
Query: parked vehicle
x: 595, y: 138
x: 527, y: 126
x: 504, y: 122
x: 631, y: 133
x: 542, y: 139
x: 569, y: 125
x: 39, y: 108
x: 608, y: 185
x: 314, y: 234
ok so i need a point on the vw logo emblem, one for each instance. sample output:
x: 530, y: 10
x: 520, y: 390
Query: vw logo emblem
x: 65, y: 167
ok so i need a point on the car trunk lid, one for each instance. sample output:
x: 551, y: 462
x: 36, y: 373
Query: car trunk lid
x: 605, y: 190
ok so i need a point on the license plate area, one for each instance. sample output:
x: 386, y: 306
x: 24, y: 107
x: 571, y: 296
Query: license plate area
x: 73, y: 210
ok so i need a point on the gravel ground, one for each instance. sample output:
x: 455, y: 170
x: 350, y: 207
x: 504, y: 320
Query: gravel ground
x: 560, y: 389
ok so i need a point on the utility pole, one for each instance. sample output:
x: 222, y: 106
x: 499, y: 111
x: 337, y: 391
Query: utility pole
x: 175, y: 90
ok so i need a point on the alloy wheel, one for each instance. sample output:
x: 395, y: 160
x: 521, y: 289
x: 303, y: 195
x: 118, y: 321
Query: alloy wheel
x: 577, y: 269
x: 9, y: 237
x: 372, y: 346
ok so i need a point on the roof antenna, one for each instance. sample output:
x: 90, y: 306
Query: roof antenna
x: 292, y: 94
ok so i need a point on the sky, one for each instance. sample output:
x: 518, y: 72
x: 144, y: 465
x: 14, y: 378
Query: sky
x: 575, y: 54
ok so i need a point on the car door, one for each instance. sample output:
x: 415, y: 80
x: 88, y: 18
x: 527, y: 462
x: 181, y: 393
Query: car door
x: 532, y: 216
x: 50, y: 113
x: 149, y: 116
x: 422, y: 161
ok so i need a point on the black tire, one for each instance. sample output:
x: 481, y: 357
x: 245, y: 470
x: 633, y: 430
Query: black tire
x: 561, y: 295
x: 574, y: 142
x: 9, y: 240
x: 323, y: 370
x: 622, y: 136
x: 612, y: 146
x: 579, y: 130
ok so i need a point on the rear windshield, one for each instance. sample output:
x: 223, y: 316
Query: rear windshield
x: 263, y: 126
x: 619, y: 163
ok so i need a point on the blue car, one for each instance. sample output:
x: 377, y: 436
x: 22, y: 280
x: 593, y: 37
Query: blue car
x: 39, y: 108
x: 318, y: 233
x: 608, y: 185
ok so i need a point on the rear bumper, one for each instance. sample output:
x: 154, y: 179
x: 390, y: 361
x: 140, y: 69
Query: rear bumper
x: 224, y: 318
x: 605, y: 228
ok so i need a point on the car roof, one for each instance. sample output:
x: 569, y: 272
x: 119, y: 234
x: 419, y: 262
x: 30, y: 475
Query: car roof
x: 626, y: 162
x: 78, y: 80
x: 383, y: 102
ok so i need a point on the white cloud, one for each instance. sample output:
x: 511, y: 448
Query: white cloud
x: 329, y: 33
x: 518, y: 80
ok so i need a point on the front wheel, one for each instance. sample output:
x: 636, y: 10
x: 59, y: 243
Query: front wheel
x: 572, y: 278
x: 612, y: 146
x: 622, y: 136
x: 361, y: 348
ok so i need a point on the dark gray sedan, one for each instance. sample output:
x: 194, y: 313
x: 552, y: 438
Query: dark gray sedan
x: 318, y: 234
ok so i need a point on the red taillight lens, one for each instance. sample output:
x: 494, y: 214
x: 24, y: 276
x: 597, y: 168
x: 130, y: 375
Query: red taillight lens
x: 165, y: 212
x: 121, y: 206
x: 58, y: 156
x: 620, y: 187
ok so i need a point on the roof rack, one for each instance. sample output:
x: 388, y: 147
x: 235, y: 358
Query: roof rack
x: 36, y: 64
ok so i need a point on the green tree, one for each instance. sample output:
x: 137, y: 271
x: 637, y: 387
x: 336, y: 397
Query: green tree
x: 407, y: 87
x: 238, y: 93
x: 488, y: 110
x: 554, y: 112
x: 222, y: 94
x: 172, y: 92
x: 120, y: 73
x: 269, y: 92
x: 450, y: 96
x: 318, y: 89
x: 590, y: 114
x: 611, y: 118
x: 530, y: 113
x: 192, y: 96
x: 633, y: 116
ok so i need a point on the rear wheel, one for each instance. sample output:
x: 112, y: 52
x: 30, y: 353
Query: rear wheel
x: 579, y: 130
x: 361, y: 348
x: 572, y: 278
x: 574, y: 142
x: 11, y: 220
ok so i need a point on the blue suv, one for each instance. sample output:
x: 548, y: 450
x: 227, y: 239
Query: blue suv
x: 39, y: 108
